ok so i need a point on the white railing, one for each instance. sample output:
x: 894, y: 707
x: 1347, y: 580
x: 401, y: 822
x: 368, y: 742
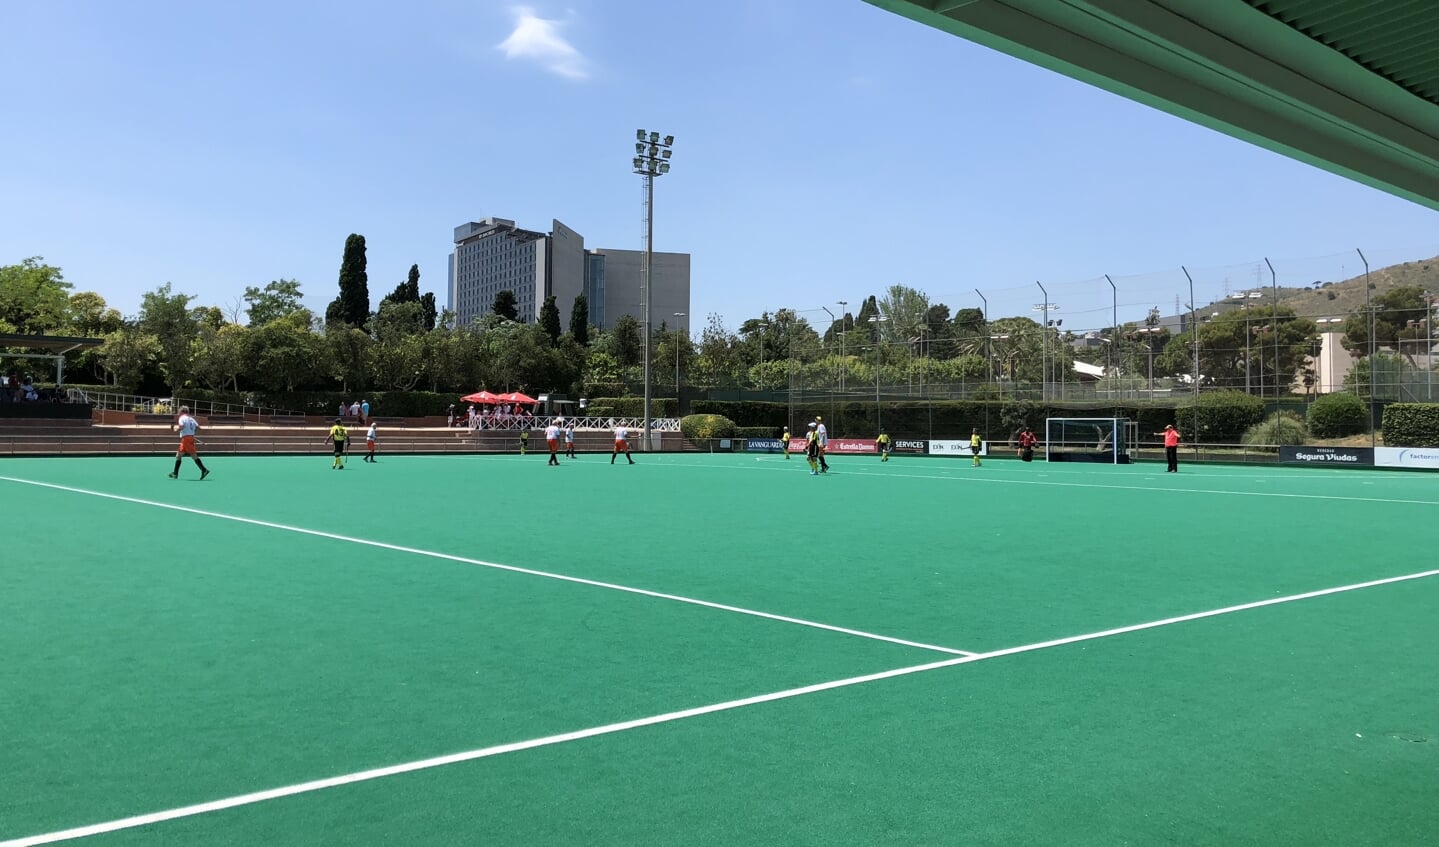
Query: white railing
x: 516, y: 422
x: 106, y: 401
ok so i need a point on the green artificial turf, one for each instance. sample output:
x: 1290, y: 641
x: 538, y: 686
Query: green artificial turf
x: 156, y: 658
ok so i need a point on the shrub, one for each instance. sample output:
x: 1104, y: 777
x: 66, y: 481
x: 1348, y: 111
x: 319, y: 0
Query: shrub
x: 1337, y: 415
x: 634, y: 407
x: 1411, y: 425
x: 1278, y: 428
x: 702, y: 427
x: 745, y: 413
x: 1219, y: 417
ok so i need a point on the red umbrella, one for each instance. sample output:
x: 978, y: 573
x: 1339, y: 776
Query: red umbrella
x: 517, y: 397
x: 483, y: 397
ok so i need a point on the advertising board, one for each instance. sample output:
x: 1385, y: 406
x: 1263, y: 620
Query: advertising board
x: 1352, y: 457
x: 956, y: 448
x: 1425, y: 458
x: 763, y: 445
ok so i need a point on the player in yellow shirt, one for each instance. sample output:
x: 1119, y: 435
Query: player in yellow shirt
x: 811, y: 450
x: 882, y: 445
x: 340, y: 437
x: 784, y: 441
x: 976, y: 443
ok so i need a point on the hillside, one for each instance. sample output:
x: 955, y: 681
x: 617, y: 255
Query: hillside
x: 1338, y: 299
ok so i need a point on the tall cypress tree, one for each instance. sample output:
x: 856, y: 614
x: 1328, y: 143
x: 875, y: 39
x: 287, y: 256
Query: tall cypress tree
x: 427, y: 303
x: 550, y: 319
x: 354, y: 283
x: 507, y: 305
x: 409, y: 290
x: 580, y: 320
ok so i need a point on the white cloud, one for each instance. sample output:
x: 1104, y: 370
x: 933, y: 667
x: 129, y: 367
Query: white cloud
x: 536, y: 39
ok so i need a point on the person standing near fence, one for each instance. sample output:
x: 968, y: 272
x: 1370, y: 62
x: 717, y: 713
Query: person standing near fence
x: 370, y: 444
x: 570, y: 438
x: 784, y: 441
x: 1171, y: 448
x: 976, y: 444
x: 881, y: 445
x: 189, y: 428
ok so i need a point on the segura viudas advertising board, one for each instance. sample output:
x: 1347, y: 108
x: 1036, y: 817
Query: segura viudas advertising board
x: 956, y: 448
x: 1423, y: 458
x: 1349, y: 457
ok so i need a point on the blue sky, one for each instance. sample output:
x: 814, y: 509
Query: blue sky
x: 825, y: 150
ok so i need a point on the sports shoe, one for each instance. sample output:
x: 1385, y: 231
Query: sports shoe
x: 204, y: 474
x: 173, y: 476
x: 814, y: 473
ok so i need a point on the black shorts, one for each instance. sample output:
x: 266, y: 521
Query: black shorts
x: 339, y: 447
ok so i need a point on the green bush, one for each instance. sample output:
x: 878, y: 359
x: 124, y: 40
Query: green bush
x: 1219, y: 417
x: 701, y: 427
x: 1278, y: 428
x: 1411, y: 425
x: 1337, y: 415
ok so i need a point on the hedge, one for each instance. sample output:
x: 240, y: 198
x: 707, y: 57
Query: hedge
x: 1220, y: 417
x: 1411, y: 425
x: 773, y: 415
x: 631, y: 407
x: 1337, y: 415
x: 757, y: 432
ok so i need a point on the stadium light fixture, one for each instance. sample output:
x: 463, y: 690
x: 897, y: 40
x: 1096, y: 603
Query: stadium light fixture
x: 651, y: 160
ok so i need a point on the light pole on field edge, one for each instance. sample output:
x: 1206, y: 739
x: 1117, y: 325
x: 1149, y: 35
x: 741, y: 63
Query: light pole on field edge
x: 842, y: 304
x: 677, y: 361
x: 651, y: 160
x: 877, y: 320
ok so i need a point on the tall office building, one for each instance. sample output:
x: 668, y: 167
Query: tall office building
x: 493, y: 255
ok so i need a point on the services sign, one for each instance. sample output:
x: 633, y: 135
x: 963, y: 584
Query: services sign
x: 956, y: 448
x: 1352, y: 457
x: 905, y: 445
x: 1426, y: 458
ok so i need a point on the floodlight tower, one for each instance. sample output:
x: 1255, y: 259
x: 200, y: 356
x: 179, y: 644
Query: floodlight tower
x: 652, y: 159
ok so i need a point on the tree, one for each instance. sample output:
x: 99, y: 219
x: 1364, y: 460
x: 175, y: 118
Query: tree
x: 354, y: 300
x: 220, y: 354
x: 864, y: 321
x: 348, y: 350
x: 166, y: 315
x: 580, y: 320
x: 33, y: 297
x: 628, y: 345
x: 1400, y: 319
x: 125, y: 355
x: 506, y: 305
x: 91, y: 316
x: 287, y: 354
x: 905, y: 310
x: 427, y: 303
x: 718, y: 361
x: 397, y: 320
x: 277, y: 299
x: 550, y: 319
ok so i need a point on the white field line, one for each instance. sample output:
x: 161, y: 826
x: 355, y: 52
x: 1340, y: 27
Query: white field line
x: 982, y: 476
x: 667, y: 717
x: 496, y: 566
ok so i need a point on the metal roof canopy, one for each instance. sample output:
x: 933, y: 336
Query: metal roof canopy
x: 1349, y: 87
x: 58, y: 345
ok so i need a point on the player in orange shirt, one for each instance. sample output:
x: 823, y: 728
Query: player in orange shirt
x: 1171, y: 447
x: 622, y: 444
x: 189, y: 428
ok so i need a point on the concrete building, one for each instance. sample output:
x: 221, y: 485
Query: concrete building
x: 493, y: 255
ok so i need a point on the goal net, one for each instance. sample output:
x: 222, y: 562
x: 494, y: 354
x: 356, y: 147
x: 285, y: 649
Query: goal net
x: 1105, y: 440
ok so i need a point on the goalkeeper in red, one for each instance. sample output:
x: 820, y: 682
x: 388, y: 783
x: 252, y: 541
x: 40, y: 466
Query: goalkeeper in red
x: 188, y: 428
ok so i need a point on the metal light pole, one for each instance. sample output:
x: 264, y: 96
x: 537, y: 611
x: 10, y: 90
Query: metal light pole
x: 842, y: 304
x: 988, y: 351
x: 1113, y: 322
x: 677, y: 361
x: 1368, y: 306
x: 1044, y: 340
x: 833, y: 322
x: 1193, y: 317
x: 651, y: 160
x: 876, y: 320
